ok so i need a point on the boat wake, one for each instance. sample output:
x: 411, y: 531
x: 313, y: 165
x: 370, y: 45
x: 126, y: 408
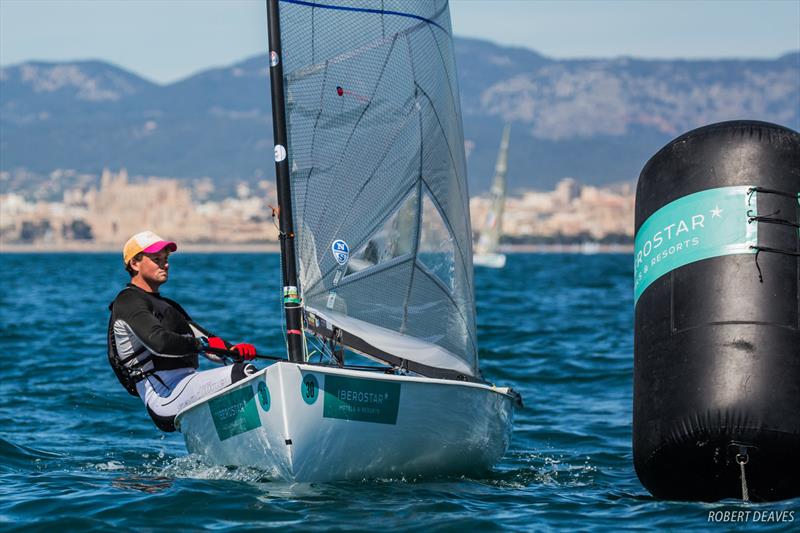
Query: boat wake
x: 193, y: 467
x: 531, y: 468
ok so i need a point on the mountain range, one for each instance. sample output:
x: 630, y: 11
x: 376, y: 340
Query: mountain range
x: 596, y: 120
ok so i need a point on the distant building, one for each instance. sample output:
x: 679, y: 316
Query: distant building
x: 566, y: 190
x: 119, y: 207
x: 570, y: 213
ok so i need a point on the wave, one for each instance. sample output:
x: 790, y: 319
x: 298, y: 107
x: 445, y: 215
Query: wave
x: 18, y: 457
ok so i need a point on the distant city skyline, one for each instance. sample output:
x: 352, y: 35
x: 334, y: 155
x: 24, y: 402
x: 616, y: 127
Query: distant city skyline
x: 170, y: 40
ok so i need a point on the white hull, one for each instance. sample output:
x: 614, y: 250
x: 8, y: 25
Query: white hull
x: 489, y: 260
x: 354, y: 425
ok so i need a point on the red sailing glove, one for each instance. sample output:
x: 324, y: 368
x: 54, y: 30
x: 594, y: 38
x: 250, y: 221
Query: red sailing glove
x: 247, y: 351
x: 216, y: 342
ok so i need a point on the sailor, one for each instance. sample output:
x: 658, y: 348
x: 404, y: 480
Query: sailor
x: 153, y: 344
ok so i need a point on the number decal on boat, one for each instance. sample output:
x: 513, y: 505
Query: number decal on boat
x: 309, y: 389
x: 263, y: 396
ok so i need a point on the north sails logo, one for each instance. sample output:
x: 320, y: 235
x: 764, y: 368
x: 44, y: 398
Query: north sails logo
x: 341, y: 252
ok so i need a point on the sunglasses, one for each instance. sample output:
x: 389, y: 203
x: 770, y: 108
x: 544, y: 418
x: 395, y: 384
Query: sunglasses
x: 158, y: 258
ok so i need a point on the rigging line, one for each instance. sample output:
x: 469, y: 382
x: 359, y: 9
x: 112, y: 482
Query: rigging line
x: 367, y: 10
x: 320, y: 347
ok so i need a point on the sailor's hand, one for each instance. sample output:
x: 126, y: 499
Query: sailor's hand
x: 212, y: 342
x: 247, y: 351
x: 217, y: 342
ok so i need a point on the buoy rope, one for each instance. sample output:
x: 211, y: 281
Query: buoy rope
x: 760, y: 249
x: 742, y: 458
x: 751, y: 190
x: 770, y: 219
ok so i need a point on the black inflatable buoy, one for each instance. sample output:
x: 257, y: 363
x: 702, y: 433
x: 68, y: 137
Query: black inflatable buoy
x: 716, y: 409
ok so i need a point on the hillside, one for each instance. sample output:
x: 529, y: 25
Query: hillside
x: 595, y: 120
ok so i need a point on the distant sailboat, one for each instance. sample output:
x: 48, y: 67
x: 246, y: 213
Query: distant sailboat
x: 486, y: 254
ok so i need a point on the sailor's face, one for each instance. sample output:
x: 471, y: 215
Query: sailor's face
x: 155, y: 267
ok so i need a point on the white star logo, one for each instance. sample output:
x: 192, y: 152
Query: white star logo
x: 716, y: 212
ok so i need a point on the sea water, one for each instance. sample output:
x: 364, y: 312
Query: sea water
x: 78, y: 453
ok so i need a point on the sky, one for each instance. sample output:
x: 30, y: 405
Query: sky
x: 167, y: 40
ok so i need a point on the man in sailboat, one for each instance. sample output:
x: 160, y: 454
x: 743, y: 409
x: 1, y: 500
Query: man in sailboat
x: 153, y: 344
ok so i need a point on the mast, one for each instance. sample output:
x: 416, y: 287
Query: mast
x: 291, y: 294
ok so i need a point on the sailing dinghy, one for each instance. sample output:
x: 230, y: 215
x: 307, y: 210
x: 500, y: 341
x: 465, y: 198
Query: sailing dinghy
x: 486, y: 254
x: 376, y: 258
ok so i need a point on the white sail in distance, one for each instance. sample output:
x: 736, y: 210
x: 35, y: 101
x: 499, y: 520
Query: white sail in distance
x: 492, y: 230
x: 378, y: 176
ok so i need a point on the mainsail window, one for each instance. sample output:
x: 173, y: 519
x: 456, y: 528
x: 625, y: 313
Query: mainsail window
x: 393, y: 239
x: 436, y: 244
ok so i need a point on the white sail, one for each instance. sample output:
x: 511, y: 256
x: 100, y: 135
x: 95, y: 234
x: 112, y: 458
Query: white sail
x: 493, y: 226
x: 378, y: 175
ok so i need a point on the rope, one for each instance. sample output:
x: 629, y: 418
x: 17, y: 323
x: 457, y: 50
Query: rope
x: 276, y: 211
x: 760, y: 249
x: 771, y: 219
x: 742, y: 459
x: 321, y: 348
x: 751, y: 190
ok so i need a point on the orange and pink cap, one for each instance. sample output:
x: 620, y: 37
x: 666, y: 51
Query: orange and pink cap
x: 147, y: 242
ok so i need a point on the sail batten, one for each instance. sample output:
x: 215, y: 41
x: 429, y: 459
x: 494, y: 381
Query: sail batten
x: 378, y: 175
